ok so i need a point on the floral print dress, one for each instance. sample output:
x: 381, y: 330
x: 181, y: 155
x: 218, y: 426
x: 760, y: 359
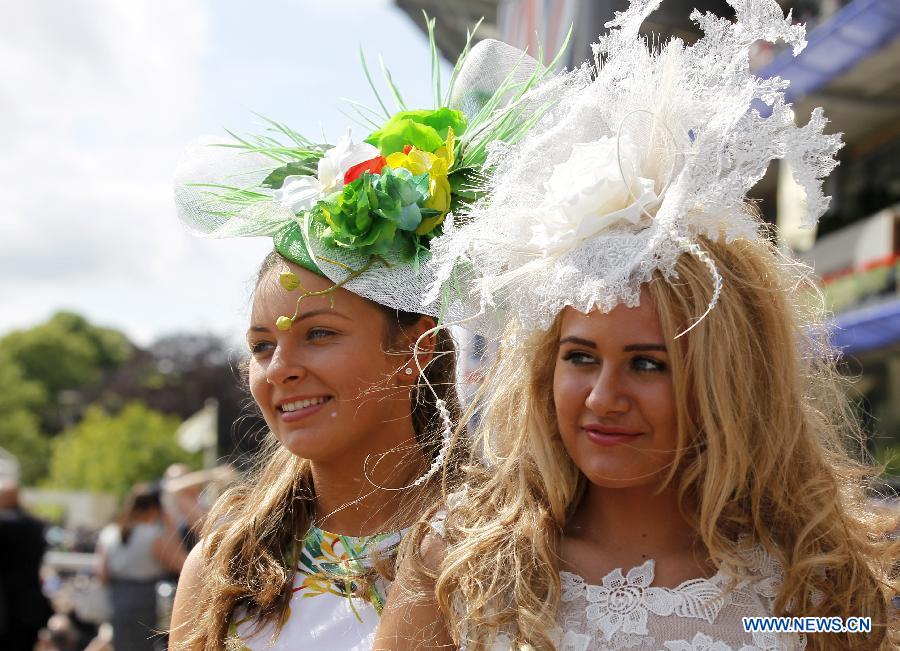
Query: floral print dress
x: 337, y: 597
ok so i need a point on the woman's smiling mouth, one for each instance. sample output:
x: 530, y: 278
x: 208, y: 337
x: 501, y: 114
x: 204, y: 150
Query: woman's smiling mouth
x: 295, y: 409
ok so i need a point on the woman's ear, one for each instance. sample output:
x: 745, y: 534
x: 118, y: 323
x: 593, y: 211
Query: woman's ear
x: 421, y: 348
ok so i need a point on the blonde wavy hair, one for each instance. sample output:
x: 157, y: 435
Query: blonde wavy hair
x: 252, y: 536
x: 767, y: 455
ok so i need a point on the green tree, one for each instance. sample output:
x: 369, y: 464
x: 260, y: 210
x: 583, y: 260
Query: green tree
x: 111, y: 452
x: 19, y: 426
x: 67, y: 352
x: 66, y: 357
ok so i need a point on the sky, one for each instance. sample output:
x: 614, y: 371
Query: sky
x: 97, y: 100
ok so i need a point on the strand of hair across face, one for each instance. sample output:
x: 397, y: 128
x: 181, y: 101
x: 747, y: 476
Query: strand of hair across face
x: 440, y: 403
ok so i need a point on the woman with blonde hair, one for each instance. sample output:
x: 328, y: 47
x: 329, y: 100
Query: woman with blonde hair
x: 664, y: 438
x: 358, y: 392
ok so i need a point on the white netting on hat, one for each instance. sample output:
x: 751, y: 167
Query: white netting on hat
x: 487, y: 67
x: 204, y: 167
x: 643, y: 152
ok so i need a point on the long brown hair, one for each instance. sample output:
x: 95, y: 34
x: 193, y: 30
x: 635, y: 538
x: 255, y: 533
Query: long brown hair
x: 251, y: 535
x: 768, y: 456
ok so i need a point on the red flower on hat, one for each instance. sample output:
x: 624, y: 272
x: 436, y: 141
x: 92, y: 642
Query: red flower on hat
x: 373, y: 166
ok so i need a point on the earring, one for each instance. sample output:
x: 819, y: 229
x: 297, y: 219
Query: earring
x: 269, y: 381
x: 408, y: 371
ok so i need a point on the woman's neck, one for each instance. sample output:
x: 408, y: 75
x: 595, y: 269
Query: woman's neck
x: 364, y: 496
x: 627, y: 526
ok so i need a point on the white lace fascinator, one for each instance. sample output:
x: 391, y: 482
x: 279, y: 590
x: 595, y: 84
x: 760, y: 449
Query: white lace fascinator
x: 641, y: 152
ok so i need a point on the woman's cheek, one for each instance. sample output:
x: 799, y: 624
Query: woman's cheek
x: 256, y: 376
x: 567, y: 397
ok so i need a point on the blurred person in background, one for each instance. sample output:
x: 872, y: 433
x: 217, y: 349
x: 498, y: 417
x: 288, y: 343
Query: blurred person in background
x: 23, y: 607
x: 182, y: 502
x: 184, y: 498
x: 103, y: 641
x: 134, y: 553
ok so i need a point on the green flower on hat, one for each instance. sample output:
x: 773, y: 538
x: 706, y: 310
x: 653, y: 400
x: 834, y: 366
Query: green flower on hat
x: 424, y: 130
x: 377, y: 214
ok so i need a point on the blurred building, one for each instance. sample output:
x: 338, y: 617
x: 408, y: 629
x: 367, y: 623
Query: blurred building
x: 543, y: 24
x: 453, y: 20
x: 851, y: 68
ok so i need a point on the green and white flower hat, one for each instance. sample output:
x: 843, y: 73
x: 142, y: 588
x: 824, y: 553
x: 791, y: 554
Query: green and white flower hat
x: 363, y: 213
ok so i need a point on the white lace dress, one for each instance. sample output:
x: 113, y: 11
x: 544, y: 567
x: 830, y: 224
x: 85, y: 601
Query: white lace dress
x: 626, y: 611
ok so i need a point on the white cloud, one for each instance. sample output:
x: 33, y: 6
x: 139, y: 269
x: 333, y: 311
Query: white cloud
x: 96, y: 99
x: 96, y: 70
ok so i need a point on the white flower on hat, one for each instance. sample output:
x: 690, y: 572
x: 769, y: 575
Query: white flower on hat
x: 301, y: 192
x: 597, y: 187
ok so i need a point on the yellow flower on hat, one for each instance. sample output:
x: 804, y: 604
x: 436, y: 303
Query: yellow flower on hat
x: 436, y: 165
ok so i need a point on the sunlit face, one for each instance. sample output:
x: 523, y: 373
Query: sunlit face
x: 327, y: 387
x: 615, y: 403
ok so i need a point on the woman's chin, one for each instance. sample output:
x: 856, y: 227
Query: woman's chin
x: 313, y: 443
x: 623, y: 476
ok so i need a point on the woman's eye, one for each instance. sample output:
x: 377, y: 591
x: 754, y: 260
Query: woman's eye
x: 648, y: 364
x: 578, y: 358
x: 257, y: 347
x: 318, y: 333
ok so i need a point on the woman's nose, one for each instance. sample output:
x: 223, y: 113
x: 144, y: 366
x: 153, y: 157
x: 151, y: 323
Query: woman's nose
x: 285, y: 367
x: 607, y: 396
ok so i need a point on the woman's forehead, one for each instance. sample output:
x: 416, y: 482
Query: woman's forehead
x: 272, y: 297
x: 622, y: 321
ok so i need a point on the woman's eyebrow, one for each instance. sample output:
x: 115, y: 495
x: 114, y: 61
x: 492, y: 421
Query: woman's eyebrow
x: 644, y: 347
x: 628, y: 349
x: 312, y: 313
x: 577, y: 340
x: 305, y: 315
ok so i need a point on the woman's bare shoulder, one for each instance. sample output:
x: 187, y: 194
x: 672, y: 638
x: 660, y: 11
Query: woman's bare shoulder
x: 432, y: 550
x: 412, y: 619
x: 187, y: 596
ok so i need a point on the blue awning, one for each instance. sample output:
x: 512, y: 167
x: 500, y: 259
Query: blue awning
x: 850, y: 35
x: 868, y: 328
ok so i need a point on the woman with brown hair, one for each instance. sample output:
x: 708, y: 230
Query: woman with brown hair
x: 355, y: 385
x: 669, y: 454
x: 292, y: 553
